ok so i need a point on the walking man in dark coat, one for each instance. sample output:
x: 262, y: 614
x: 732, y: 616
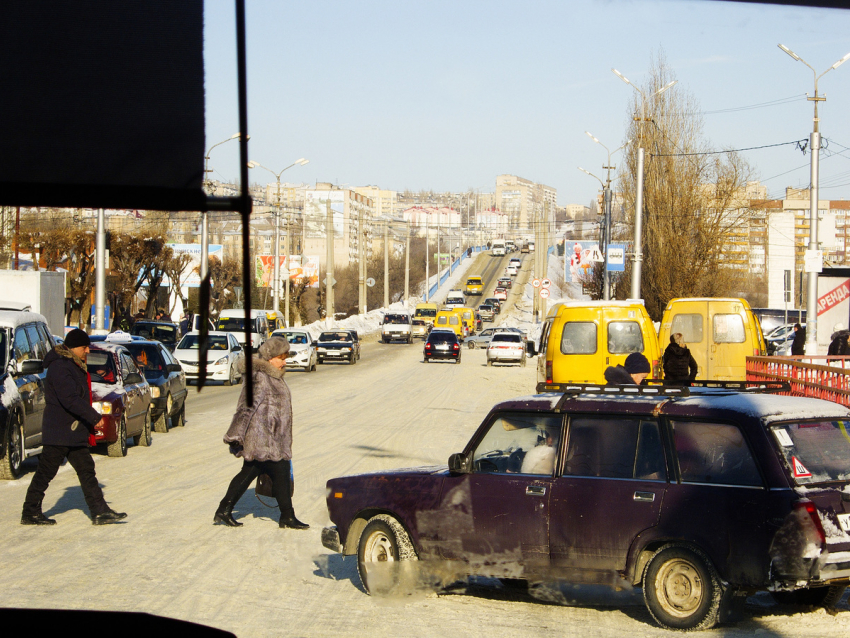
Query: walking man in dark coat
x: 798, y: 346
x: 67, y: 431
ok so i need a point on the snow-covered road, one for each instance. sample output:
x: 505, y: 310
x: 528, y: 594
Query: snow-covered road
x: 389, y: 410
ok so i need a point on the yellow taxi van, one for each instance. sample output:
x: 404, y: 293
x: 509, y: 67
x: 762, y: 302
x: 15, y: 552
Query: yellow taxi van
x: 580, y: 339
x: 426, y: 312
x: 474, y: 286
x: 720, y: 332
x: 451, y: 320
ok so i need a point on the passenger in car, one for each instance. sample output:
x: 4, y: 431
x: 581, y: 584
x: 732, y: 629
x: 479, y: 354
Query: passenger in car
x: 541, y: 459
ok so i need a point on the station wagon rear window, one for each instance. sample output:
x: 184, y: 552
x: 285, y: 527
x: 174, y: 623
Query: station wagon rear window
x: 714, y: 453
x: 579, y: 337
x: 816, y: 452
x: 624, y: 337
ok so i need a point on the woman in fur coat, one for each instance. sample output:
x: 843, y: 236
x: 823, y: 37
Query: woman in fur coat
x: 262, y: 436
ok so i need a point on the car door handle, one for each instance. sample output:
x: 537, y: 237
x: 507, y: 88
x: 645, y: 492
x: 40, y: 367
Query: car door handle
x: 644, y: 497
x: 535, y: 490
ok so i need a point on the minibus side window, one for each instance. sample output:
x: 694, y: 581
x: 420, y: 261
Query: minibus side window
x: 579, y: 337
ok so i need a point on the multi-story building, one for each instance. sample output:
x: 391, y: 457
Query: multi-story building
x: 523, y: 199
x: 351, y: 214
x: 385, y: 201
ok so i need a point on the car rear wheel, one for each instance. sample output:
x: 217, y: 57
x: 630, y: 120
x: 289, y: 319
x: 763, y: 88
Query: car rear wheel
x: 489, y: 362
x: 384, y: 546
x: 10, y: 464
x: 471, y: 345
x: 144, y: 438
x: 119, y: 447
x: 682, y: 589
x: 160, y: 426
x: 181, y: 416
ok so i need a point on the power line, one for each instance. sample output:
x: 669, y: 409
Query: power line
x: 731, y: 150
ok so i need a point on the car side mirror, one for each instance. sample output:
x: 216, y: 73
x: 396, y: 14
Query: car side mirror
x: 236, y: 349
x: 174, y: 367
x: 133, y: 378
x: 530, y: 348
x: 459, y: 464
x: 31, y: 366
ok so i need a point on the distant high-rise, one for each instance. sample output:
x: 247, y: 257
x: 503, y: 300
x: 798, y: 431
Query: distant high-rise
x: 519, y: 198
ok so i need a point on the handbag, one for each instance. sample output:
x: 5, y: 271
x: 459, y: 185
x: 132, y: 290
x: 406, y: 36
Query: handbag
x: 264, y: 485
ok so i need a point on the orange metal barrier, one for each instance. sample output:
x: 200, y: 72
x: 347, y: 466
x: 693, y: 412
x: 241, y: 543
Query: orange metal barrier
x: 816, y: 376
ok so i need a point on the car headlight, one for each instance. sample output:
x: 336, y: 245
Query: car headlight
x: 345, y: 349
x: 154, y: 392
x: 220, y: 362
x: 102, y: 407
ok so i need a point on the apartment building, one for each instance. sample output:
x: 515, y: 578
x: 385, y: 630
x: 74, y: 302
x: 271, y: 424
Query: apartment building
x: 521, y: 199
x: 385, y: 201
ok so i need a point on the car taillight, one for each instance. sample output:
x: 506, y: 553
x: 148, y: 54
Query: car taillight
x: 812, y: 526
x: 548, y: 371
x: 427, y: 346
x: 656, y: 369
x: 455, y: 346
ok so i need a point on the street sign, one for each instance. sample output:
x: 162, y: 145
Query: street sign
x: 536, y: 283
x: 370, y: 282
x: 546, y: 283
x: 596, y: 255
x: 544, y: 293
x: 332, y: 281
x: 813, y: 261
x: 616, y: 258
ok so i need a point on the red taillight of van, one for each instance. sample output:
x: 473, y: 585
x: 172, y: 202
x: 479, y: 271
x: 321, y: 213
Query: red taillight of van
x: 810, y: 520
x: 656, y: 369
x: 548, y: 371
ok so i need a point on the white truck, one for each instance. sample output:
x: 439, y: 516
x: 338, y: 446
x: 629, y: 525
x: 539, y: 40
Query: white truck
x: 497, y: 248
x: 42, y: 290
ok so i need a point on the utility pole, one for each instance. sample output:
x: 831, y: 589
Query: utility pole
x: 407, y: 265
x: 814, y: 148
x: 386, y: 265
x: 361, y: 266
x: 427, y: 263
x: 329, y: 278
x: 100, y: 271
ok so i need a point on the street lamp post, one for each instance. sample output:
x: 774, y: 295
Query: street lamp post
x: 607, y: 197
x: 276, y: 275
x: 638, y: 260
x: 814, y: 147
x: 205, y: 231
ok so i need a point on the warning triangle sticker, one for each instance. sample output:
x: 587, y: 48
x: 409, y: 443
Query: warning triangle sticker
x: 799, y: 469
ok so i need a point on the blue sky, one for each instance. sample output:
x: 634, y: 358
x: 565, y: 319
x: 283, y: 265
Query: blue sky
x: 448, y: 95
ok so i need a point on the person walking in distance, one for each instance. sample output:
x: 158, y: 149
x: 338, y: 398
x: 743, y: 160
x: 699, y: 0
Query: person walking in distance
x: 798, y: 346
x: 68, y: 431
x: 262, y: 436
x: 680, y: 367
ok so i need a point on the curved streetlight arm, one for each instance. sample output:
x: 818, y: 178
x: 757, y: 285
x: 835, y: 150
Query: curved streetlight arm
x: 592, y: 175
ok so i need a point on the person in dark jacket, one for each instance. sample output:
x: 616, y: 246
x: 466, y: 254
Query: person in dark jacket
x: 67, y: 431
x: 798, y: 346
x: 262, y: 436
x: 839, y: 345
x: 680, y: 367
x: 633, y: 371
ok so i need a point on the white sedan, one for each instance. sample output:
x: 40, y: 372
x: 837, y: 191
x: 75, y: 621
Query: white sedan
x: 224, y: 355
x: 506, y: 347
x: 302, y: 349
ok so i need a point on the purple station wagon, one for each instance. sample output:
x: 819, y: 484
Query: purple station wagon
x: 697, y: 497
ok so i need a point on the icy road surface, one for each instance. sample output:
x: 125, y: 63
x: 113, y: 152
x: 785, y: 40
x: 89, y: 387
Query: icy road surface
x: 389, y: 410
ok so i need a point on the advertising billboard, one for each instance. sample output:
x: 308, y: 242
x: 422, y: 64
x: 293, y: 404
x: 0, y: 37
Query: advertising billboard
x: 191, y: 276
x: 299, y: 267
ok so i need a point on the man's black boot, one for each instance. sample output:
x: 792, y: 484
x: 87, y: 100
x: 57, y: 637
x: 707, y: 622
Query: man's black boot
x: 36, y: 519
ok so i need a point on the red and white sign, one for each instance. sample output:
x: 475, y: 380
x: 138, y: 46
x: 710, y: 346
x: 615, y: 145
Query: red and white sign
x: 545, y: 283
x: 799, y: 469
x: 544, y: 293
x: 834, y: 297
x: 536, y: 283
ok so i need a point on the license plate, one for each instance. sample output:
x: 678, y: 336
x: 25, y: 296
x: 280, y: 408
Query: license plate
x: 844, y: 521
x: 442, y: 347
x: 189, y: 368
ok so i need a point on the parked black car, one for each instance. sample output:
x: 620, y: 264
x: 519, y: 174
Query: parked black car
x: 695, y: 495
x: 24, y: 341
x: 442, y: 344
x: 167, y: 380
x: 165, y: 332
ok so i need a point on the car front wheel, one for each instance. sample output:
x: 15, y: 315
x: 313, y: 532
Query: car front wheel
x: 10, y: 464
x: 119, y: 447
x: 384, y: 547
x: 681, y: 589
x: 144, y: 438
x: 231, y: 376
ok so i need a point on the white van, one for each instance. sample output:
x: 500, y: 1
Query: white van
x: 455, y: 299
x: 497, y: 248
x: 233, y: 320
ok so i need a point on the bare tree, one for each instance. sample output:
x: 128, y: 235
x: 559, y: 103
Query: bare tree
x: 694, y: 197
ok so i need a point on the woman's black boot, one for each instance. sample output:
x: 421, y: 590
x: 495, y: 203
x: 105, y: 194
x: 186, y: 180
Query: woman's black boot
x: 224, y: 515
x: 289, y: 520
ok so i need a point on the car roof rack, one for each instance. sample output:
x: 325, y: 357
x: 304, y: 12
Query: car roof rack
x: 602, y: 389
x: 743, y: 386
